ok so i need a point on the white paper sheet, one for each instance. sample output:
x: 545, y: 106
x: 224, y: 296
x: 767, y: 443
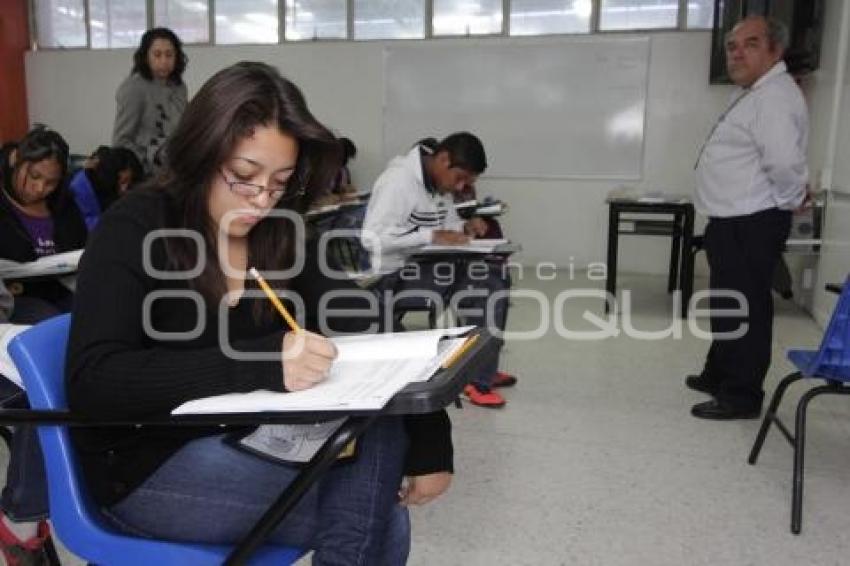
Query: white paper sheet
x: 363, y: 377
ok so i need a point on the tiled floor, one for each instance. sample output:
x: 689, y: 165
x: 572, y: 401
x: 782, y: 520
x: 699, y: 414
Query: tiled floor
x: 596, y: 460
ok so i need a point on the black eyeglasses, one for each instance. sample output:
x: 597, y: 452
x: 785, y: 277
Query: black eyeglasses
x: 293, y: 187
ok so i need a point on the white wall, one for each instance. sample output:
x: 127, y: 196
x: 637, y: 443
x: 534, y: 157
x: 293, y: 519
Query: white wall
x: 559, y: 221
x: 830, y: 151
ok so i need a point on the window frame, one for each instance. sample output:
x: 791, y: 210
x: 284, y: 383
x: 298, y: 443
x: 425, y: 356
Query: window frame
x: 682, y: 25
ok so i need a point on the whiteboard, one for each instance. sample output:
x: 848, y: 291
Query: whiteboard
x: 572, y: 109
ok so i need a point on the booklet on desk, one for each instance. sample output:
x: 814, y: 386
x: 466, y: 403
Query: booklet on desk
x: 56, y: 264
x: 368, y: 371
x: 483, y: 245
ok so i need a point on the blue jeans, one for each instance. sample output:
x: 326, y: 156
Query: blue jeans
x: 211, y: 492
x: 25, y: 493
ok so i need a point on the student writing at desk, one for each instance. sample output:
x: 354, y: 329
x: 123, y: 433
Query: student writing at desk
x: 247, y: 145
x: 411, y: 205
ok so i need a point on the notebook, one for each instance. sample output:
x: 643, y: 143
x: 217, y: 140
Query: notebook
x: 56, y: 264
x: 367, y: 372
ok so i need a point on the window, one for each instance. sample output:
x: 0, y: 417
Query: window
x: 638, y: 14
x: 700, y: 14
x: 116, y: 23
x: 316, y: 19
x: 61, y: 23
x: 540, y: 17
x: 467, y: 17
x: 389, y: 19
x: 246, y: 21
x: 189, y: 19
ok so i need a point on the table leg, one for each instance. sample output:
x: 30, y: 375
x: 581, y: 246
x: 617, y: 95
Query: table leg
x: 675, y: 249
x: 611, y: 267
x: 686, y: 283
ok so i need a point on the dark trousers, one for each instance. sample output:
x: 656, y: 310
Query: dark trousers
x: 743, y: 252
x: 447, y: 278
x: 24, y: 497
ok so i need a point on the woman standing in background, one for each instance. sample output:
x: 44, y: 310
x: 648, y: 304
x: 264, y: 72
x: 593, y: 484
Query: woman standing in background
x: 151, y: 100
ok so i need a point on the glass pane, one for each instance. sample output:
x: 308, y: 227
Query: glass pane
x: 539, y: 17
x: 467, y: 17
x: 61, y: 23
x: 700, y: 14
x: 246, y: 21
x: 116, y: 23
x: 638, y: 14
x: 389, y: 19
x: 315, y: 19
x: 189, y: 19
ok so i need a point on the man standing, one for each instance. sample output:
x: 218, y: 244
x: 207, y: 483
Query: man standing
x: 751, y: 173
x: 412, y: 205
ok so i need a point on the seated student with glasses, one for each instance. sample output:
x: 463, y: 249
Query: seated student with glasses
x: 412, y: 205
x: 246, y: 151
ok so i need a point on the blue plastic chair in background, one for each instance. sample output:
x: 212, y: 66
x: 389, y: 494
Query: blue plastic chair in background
x: 39, y: 354
x: 831, y: 362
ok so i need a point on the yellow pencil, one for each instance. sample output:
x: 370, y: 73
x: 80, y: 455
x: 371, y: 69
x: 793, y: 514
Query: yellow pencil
x: 274, y: 299
x: 464, y: 348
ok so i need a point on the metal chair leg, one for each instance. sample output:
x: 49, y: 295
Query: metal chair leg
x: 800, y: 450
x: 770, y: 415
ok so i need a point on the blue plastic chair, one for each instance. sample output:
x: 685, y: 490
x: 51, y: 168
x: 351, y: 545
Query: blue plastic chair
x: 39, y: 354
x: 830, y: 362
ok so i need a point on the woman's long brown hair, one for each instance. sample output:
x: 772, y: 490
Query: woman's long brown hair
x: 225, y: 110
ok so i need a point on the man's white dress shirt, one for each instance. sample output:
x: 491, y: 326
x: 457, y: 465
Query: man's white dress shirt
x: 755, y: 157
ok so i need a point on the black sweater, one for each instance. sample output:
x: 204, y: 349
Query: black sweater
x: 117, y: 370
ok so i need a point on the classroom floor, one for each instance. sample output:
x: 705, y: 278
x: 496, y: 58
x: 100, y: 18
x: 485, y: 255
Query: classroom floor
x: 596, y: 459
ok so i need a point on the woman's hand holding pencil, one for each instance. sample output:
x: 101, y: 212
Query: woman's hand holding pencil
x: 306, y: 356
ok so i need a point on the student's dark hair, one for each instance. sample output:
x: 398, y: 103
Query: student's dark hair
x: 428, y: 143
x: 140, y: 57
x: 465, y: 152
x: 38, y: 144
x: 228, y: 108
x: 349, y: 150
x: 127, y: 159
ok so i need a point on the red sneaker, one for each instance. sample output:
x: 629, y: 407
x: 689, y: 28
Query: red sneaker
x: 31, y: 552
x: 483, y: 398
x: 503, y: 379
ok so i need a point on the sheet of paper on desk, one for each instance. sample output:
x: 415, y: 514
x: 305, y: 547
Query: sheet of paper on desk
x: 497, y: 208
x: 663, y: 197
x: 368, y: 371
x: 7, y: 367
x: 56, y: 264
x: 484, y: 246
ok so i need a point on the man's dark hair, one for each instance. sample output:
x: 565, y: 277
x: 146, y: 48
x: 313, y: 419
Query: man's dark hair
x: 465, y: 152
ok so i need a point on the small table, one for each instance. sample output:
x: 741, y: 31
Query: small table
x: 680, y: 229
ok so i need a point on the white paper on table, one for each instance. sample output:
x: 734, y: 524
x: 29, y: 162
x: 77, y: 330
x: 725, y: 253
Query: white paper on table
x: 56, y: 264
x: 483, y: 245
x: 366, y: 374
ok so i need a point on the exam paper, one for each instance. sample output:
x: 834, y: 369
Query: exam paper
x: 368, y: 371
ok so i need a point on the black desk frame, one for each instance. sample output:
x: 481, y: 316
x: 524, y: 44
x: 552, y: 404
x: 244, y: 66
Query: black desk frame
x: 680, y: 229
x: 416, y: 398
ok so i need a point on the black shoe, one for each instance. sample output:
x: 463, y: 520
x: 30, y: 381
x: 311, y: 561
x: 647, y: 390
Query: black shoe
x: 718, y: 411
x: 700, y: 383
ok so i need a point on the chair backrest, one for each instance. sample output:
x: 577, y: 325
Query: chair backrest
x: 39, y: 354
x: 833, y: 356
